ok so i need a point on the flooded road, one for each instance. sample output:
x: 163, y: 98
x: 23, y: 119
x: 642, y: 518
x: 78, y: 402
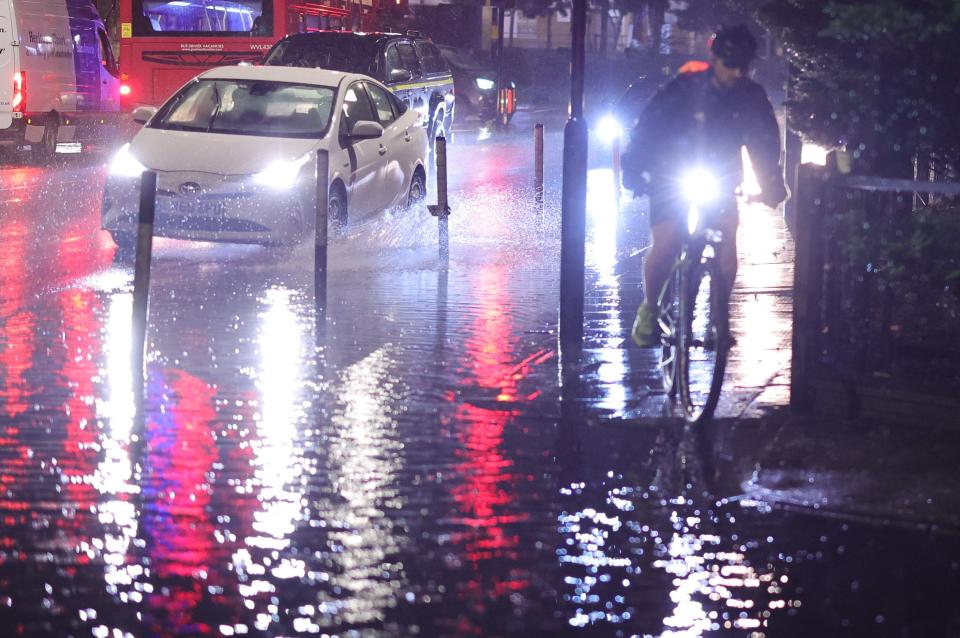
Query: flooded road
x: 414, y: 474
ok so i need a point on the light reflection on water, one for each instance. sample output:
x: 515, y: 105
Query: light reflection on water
x: 415, y: 492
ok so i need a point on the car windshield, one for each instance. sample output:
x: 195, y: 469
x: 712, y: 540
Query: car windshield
x: 463, y: 58
x: 249, y: 107
x: 336, y: 54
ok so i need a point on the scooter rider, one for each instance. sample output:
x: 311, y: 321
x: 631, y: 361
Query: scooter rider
x: 707, y: 114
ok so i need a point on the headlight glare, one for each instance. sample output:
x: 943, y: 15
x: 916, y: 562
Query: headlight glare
x: 281, y: 174
x: 124, y: 164
x: 699, y: 187
x: 609, y: 129
x: 484, y: 84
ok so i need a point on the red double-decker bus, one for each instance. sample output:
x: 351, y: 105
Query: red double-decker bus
x: 164, y: 43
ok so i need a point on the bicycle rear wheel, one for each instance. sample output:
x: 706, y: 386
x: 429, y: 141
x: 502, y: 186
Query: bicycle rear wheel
x: 669, y: 322
x: 704, y: 341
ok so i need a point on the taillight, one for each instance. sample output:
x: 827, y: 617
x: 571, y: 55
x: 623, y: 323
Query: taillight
x: 124, y: 89
x: 19, y: 104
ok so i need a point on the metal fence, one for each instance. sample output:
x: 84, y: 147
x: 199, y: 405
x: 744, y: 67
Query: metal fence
x: 877, y: 296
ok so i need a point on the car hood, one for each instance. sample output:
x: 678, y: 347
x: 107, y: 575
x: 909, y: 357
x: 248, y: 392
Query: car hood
x: 162, y: 150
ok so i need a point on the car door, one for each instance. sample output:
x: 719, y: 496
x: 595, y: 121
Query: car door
x: 365, y: 156
x: 396, y: 168
x: 419, y: 94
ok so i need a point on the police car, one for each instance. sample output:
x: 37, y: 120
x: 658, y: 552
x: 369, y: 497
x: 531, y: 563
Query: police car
x: 409, y: 65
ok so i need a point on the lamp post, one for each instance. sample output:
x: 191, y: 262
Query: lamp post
x: 573, y: 219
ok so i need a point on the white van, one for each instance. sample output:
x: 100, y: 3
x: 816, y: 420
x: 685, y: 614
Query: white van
x: 59, y: 85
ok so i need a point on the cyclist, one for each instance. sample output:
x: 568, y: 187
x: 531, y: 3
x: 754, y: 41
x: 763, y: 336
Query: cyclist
x: 706, y: 114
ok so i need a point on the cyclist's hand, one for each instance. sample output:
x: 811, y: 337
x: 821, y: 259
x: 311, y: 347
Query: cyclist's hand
x: 769, y: 197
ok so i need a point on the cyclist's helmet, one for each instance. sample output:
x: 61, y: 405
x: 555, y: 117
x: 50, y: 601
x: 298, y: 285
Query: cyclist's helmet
x: 735, y: 45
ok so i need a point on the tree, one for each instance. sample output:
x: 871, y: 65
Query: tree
x: 880, y: 77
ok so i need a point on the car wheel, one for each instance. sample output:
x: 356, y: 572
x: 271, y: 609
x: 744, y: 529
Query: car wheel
x: 46, y: 149
x: 337, y: 210
x: 418, y: 188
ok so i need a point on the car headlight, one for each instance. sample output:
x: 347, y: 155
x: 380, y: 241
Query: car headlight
x: 124, y: 164
x: 281, y: 174
x: 484, y: 84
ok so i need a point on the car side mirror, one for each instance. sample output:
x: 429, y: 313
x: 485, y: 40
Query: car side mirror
x: 365, y: 130
x: 400, y: 75
x: 143, y: 113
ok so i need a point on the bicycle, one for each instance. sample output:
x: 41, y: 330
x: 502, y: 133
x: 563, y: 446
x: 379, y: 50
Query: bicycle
x: 694, y: 326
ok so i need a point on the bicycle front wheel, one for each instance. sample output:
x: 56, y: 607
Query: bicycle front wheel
x: 669, y: 322
x: 704, y: 340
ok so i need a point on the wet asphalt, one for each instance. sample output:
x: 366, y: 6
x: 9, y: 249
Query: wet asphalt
x: 414, y: 473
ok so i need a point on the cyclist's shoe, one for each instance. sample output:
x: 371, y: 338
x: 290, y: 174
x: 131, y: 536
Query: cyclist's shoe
x: 646, y: 330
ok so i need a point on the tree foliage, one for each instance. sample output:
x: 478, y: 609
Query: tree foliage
x: 880, y: 77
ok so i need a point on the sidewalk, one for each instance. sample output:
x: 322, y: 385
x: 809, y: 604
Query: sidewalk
x: 892, y: 471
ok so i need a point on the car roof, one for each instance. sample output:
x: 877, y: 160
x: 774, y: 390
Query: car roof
x: 369, y: 38
x: 300, y: 75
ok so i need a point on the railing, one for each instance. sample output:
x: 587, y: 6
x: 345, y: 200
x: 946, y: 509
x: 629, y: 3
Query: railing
x: 876, y: 323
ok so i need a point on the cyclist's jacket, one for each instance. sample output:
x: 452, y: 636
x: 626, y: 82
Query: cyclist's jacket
x: 691, y: 121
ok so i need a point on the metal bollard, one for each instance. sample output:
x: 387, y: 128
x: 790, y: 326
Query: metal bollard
x: 320, y: 244
x: 442, y: 209
x: 616, y: 167
x: 141, y: 280
x: 538, y: 164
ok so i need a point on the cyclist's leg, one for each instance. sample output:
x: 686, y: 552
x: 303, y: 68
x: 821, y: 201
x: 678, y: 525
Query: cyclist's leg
x: 727, y: 253
x: 667, y: 234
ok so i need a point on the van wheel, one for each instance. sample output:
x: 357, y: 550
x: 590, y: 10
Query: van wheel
x: 125, y: 240
x: 46, y: 149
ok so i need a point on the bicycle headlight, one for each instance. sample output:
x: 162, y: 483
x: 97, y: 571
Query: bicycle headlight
x: 699, y: 187
x: 609, y: 129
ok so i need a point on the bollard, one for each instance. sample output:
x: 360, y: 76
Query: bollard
x: 538, y: 165
x: 320, y: 245
x: 141, y: 281
x: 616, y: 167
x: 442, y: 209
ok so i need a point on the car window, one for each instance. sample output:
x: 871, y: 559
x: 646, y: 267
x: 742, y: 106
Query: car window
x: 394, y: 63
x: 431, y: 58
x: 351, y: 55
x: 382, y: 103
x: 249, y: 107
x: 409, y: 58
x: 356, y: 106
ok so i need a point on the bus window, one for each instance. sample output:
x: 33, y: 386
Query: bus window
x: 202, y: 17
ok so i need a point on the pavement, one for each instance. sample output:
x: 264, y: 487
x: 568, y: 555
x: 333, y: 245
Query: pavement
x: 889, y: 468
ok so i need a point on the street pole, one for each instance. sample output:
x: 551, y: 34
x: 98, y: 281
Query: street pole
x: 573, y: 218
x: 500, y: 83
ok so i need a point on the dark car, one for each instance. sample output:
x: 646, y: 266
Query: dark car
x: 476, y: 81
x: 410, y: 66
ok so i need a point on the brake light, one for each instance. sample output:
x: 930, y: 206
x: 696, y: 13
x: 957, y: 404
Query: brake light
x: 19, y: 103
x: 124, y: 89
